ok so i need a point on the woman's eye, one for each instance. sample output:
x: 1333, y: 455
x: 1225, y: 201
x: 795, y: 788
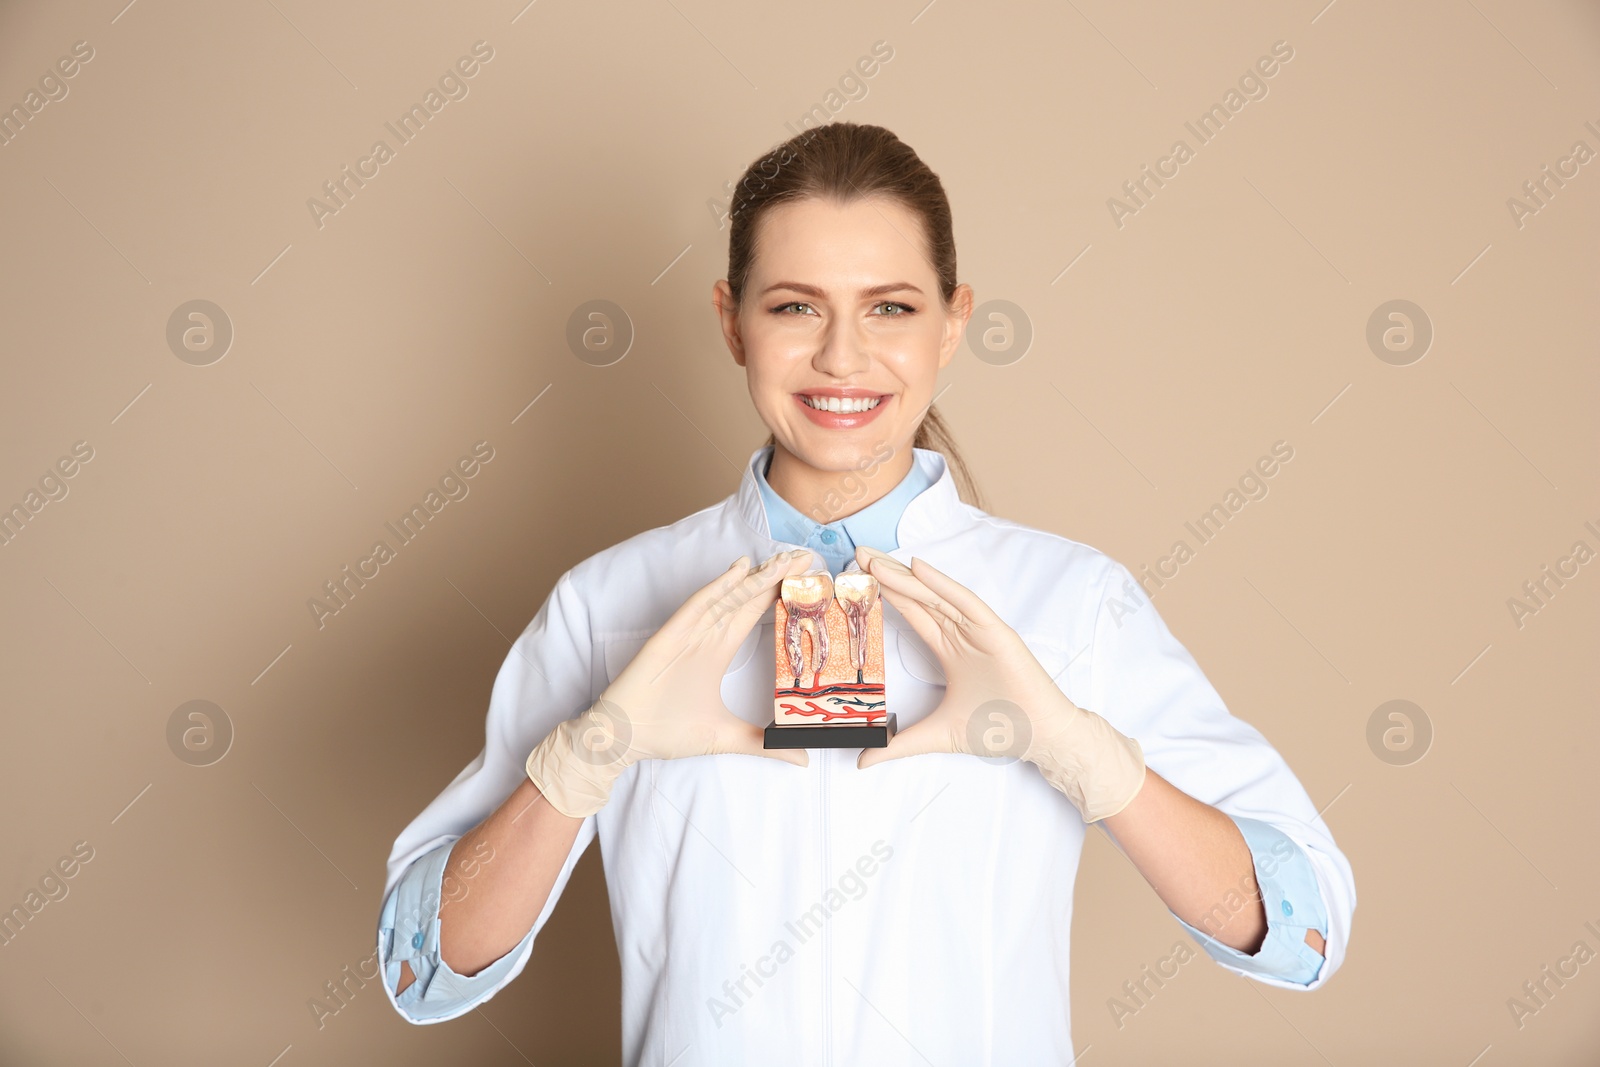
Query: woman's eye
x: 805, y: 309
x: 891, y: 309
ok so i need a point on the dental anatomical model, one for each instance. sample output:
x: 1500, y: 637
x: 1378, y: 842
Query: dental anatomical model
x: 822, y: 699
x: 808, y: 598
x: 857, y: 593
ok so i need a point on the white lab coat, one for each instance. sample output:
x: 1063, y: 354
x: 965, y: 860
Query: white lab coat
x: 917, y: 911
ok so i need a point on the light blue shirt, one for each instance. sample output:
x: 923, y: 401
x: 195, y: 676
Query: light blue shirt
x: 1293, y: 904
x: 408, y: 928
x: 874, y: 526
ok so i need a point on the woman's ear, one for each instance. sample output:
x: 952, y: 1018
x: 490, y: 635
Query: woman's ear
x: 955, y: 323
x: 728, y: 318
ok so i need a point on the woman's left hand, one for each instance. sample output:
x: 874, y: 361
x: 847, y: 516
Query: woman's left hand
x: 998, y: 700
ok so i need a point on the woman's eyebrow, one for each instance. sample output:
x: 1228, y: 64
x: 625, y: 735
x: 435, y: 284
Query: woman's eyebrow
x: 820, y: 294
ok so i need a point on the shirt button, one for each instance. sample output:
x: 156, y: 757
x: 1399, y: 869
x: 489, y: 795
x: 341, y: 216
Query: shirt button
x: 828, y: 537
x: 1288, y: 908
x: 416, y: 939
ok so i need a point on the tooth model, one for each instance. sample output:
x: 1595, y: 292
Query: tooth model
x: 822, y: 700
x: 806, y: 599
x: 856, y: 593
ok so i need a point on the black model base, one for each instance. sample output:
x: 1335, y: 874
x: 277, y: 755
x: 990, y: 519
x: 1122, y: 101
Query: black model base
x: 840, y: 735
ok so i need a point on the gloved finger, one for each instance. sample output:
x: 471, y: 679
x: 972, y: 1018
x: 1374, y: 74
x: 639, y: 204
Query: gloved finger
x: 736, y: 612
x: 760, y: 588
x: 930, y: 735
x: 917, y: 616
x: 963, y: 599
x: 896, y: 576
x: 919, y: 607
x: 721, y: 614
x: 702, y: 600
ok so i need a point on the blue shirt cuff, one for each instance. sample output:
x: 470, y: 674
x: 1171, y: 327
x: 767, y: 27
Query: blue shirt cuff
x: 1293, y: 905
x: 408, y: 931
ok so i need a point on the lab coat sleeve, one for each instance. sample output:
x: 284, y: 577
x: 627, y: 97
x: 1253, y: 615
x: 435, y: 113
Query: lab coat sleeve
x: 1149, y: 687
x: 546, y: 677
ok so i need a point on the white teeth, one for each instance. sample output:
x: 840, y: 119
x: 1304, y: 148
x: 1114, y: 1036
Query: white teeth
x: 834, y: 403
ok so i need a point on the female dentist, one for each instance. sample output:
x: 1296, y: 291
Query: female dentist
x: 907, y: 904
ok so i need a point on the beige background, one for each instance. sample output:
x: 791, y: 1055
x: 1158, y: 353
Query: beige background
x: 1229, y: 313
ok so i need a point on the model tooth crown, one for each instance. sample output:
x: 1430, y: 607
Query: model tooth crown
x: 856, y: 586
x: 807, y: 589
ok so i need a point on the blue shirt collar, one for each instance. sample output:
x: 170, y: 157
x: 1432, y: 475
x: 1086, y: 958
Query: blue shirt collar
x: 874, y: 525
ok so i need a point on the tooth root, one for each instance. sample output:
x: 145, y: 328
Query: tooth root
x: 856, y: 593
x: 807, y: 619
x: 814, y: 619
x: 806, y: 599
x: 819, y: 632
x: 791, y: 640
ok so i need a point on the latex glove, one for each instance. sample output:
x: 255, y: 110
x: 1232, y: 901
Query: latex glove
x: 667, y: 702
x: 999, y: 700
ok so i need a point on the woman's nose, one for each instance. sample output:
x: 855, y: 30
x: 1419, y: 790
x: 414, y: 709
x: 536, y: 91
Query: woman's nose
x: 843, y: 351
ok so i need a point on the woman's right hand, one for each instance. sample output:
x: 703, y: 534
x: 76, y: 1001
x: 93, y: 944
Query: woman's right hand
x: 667, y: 703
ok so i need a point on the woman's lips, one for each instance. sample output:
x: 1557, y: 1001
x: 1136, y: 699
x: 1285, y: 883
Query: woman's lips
x: 841, y: 420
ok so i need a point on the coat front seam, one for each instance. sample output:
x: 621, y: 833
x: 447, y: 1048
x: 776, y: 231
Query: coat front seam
x: 997, y: 831
x: 666, y: 877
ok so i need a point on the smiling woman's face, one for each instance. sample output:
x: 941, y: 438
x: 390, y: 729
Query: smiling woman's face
x: 842, y: 331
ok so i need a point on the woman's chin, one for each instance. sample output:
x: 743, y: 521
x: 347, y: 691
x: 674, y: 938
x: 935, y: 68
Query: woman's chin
x: 841, y: 451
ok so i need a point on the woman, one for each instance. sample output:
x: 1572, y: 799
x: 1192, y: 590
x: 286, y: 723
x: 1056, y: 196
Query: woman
x: 890, y: 905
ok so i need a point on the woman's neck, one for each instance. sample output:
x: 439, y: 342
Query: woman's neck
x: 828, y: 496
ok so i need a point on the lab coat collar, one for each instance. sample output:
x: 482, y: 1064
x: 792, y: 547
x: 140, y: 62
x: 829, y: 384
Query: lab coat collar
x: 932, y: 514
